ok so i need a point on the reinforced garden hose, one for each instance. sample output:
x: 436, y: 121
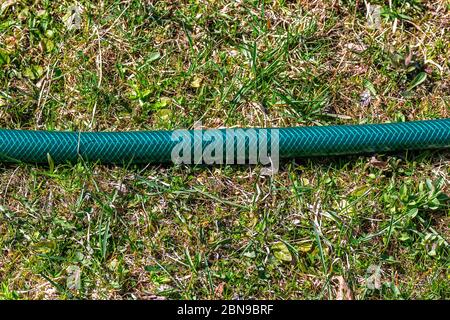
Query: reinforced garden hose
x: 158, y: 146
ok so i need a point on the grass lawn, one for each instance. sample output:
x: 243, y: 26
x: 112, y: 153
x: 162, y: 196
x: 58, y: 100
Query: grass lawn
x: 350, y: 227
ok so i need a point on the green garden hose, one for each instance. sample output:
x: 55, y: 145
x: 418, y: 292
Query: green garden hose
x: 157, y: 146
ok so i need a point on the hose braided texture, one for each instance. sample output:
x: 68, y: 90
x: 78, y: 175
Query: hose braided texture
x: 157, y: 146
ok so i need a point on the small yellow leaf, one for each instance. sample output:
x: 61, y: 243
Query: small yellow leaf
x: 281, y: 252
x: 360, y: 191
x: 196, y: 82
x: 164, y: 114
x: 305, y: 247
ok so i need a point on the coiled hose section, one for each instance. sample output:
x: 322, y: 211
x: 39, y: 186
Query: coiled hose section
x: 157, y: 146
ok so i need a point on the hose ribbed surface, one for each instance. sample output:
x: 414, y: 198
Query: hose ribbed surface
x: 156, y: 146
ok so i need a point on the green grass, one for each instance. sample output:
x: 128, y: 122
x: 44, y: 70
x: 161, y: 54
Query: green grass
x: 319, y: 229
